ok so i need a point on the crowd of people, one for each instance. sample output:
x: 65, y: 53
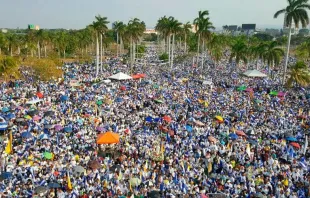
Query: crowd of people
x: 179, y: 136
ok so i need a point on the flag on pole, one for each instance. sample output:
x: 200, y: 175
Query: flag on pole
x: 306, y: 145
x: 9, y: 146
x: 248, y: 150
x: 69, y: 181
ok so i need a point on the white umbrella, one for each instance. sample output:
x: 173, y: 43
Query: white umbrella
x: 254, y: 73
x: 120, y: 76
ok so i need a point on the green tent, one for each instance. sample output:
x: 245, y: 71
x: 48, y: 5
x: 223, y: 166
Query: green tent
x: 48, y: 155
x: 273, y: 93
x: 241, y: 88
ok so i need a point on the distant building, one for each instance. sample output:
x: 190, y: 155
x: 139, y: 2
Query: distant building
x: 248, y: 29
x: 272, y: 32
x: 303, y: 32
x: 4, y: 30
x: 150, y: 31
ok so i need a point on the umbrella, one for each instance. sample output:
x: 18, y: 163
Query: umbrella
x: 5, y: 109
x: 53, y: 185
x: 48, y: 126
x: 100, y: 129
x: 253, y: 142
x: 28, y: 117
x: 153, y: 194
x: 281, y: 94
x: 240, y: 133
x: 249, y: 90
x: 99, y: 102
x: 78, y: 169
x: 36, y: 118
x: 295, y: 144
x: 233, y: 136
x: 273, y: 93
x: 149, y: 119
x: 41, y: 189
x: 94, y: 164
x: 40, y: 95
x: 64, y: 98
x: 26, y: 135
x: 219, y: 118
x: 115, y: 168
x: 158, y: 101
x: 10, y: 116
x: 58, y: 127
x: 118, y: 100
x: 5, y: 175
x: 292, y: 139
x: 135, y: 182
x: 48, y: 155
x: 32, y: 112
x: 20, y: 120
x: 68, y: 129
x: 148, y: 183
x: 241, y: 88
x: 44, y: 137
x: 48, y: 113
x: 123, y: 88
x: 189, y: 128
x: 212, y: 139
x: 167, y: 118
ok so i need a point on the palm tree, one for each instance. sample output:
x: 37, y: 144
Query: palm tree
x: 204, y: 31
x: 239, y: 51
x: 198, y: 22
x: 163, y: 28
x: 100, y: 26
x: 62, y: 42
x: 3, y: 42
x: 8, y: 67
x: 119, y: 28
x: 303, y: 50
x: 299, y: 74
x: 296, y: 12
x: 175, y: 27
x: 186, y: 31
x: 134, y: 31
x: 271, y: 53
x: 12, y: 42
x: 216, y: 46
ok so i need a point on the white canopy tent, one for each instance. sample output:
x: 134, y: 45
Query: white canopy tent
x: 254, y: 73
x: 120, y: 76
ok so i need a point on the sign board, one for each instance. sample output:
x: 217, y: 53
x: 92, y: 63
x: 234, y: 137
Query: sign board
x: 33, y: 27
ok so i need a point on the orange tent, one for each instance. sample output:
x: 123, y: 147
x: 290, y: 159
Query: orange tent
x: 138, y: 76
x: 108, y: 138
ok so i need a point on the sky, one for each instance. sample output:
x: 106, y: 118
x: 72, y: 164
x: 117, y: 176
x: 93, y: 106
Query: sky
x: 76, y: 14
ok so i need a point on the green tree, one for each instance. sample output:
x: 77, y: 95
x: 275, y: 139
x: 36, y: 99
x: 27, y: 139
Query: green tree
x: 298, y: 74
x: 296, y: 12
x: 239, y: 51
x: 271, y: 53
x: 119, y: 27
x: 8, y: 67
x: 186, y: 31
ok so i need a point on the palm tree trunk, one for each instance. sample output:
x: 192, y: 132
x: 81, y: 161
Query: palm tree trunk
x: 172, y: 50
x: 101, y: 52
x: 198, y: 44
x: 97, y: 54
x: 121, y: 47
x: 0, y: 50
x: 169, y: 49
x: 64, y: 54
x: 185, y: 44
x: 45, y: 54
x: 287, y: 50
x: 117, y: 45
x: 11, y: 50
x: 18, y: 49
x: 202, y: 49
x: 131, y: 55
x: 39, y: 51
